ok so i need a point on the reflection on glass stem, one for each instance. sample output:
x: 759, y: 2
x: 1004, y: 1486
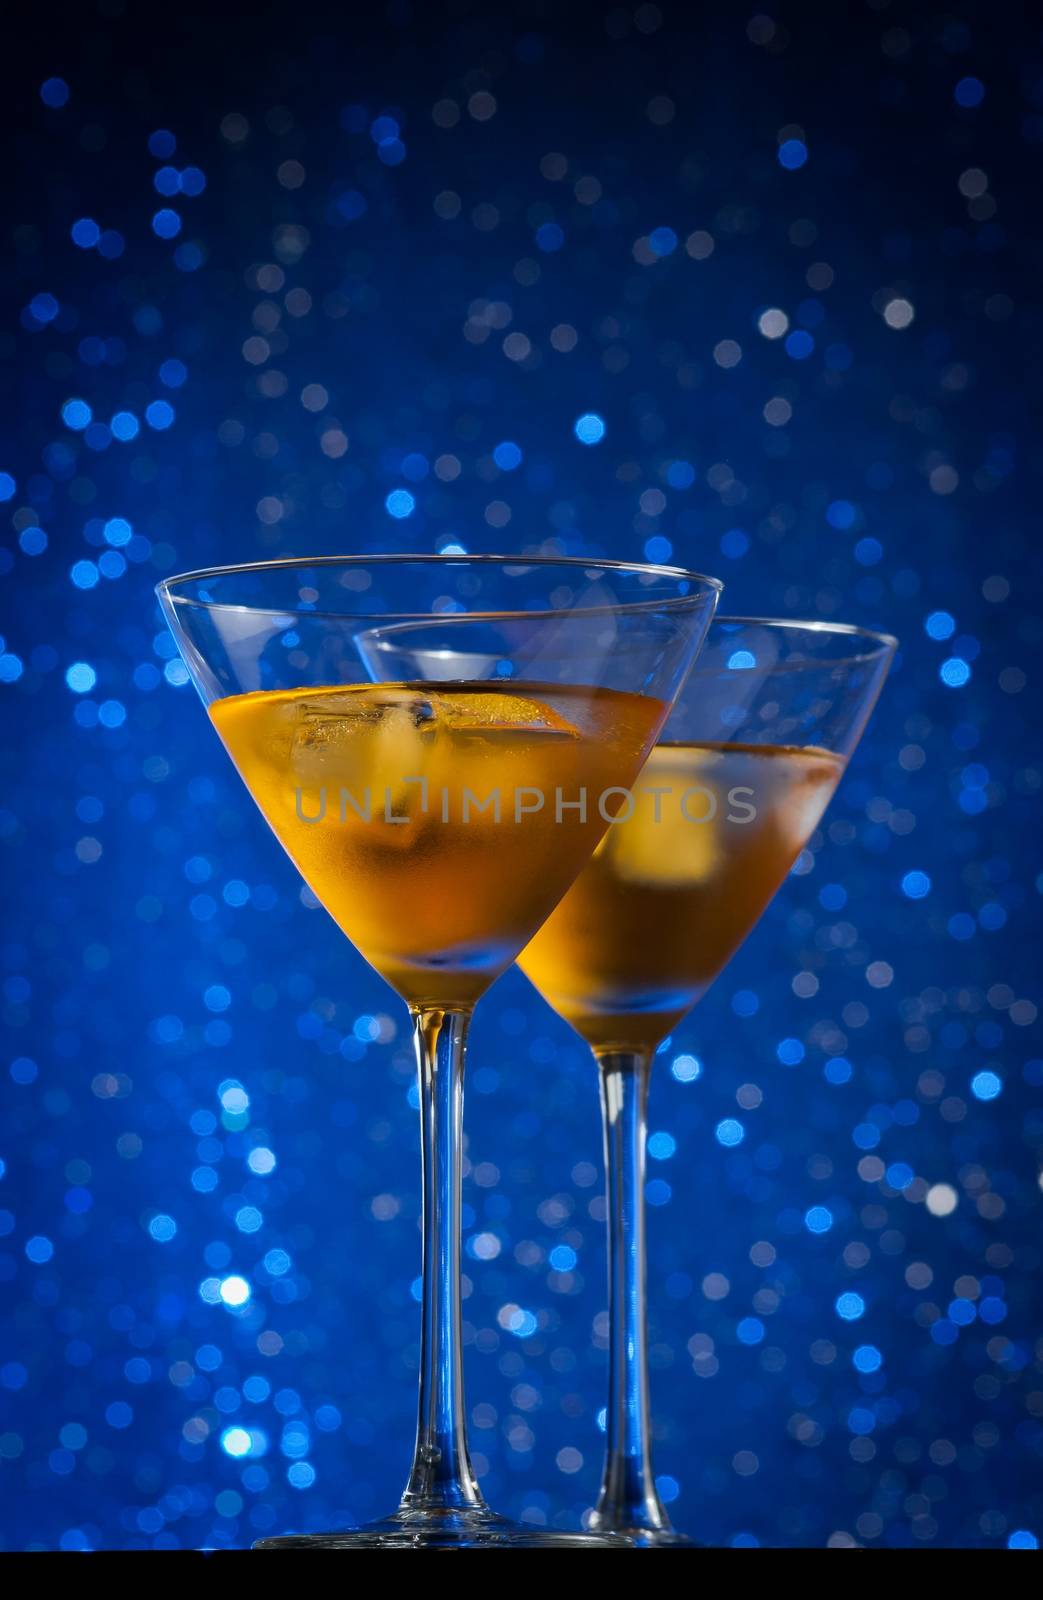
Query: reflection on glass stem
x: 628, y: 1502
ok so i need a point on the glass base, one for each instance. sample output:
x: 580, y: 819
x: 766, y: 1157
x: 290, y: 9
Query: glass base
x: 646, y: 1537
x: 448, y: 1530
x: 662, y: 1539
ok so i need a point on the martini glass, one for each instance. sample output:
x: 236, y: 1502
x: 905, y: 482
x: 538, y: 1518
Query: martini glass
x: 757, y: 742
x: 439, y: 823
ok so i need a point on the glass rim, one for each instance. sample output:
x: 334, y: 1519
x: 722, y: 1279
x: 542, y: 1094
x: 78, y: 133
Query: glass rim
x: 166, y: 588
x: 849, y: 630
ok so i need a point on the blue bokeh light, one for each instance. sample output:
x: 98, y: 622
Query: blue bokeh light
x: 589, y: 428
x: 54, y: 92
x: 85, y: 232
x: 166, y: 224
x: 969, y: 92
x: 76, y: 414
x: 793, y: 153
x: 400, y: 504
x: 850, y: 1307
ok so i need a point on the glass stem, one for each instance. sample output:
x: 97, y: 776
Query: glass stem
x: 628, y: 1500
x: 442, y: 1478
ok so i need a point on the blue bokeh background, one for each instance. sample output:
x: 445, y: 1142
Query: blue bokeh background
x: 291, y: 284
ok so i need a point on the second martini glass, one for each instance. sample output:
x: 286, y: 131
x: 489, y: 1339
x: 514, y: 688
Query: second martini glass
x: 439, y: 823
x: 756, y: 745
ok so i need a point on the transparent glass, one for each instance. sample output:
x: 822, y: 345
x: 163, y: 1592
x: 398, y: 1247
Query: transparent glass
x: 758, y: 740
x: 542, y: 683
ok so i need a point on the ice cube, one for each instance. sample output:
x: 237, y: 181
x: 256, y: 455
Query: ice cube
x: 486, y: 714
x: 813, y: 775
x: 333, y: 716
x: 665, y: 843
x: 671, y: 853
x: 375, y: 731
